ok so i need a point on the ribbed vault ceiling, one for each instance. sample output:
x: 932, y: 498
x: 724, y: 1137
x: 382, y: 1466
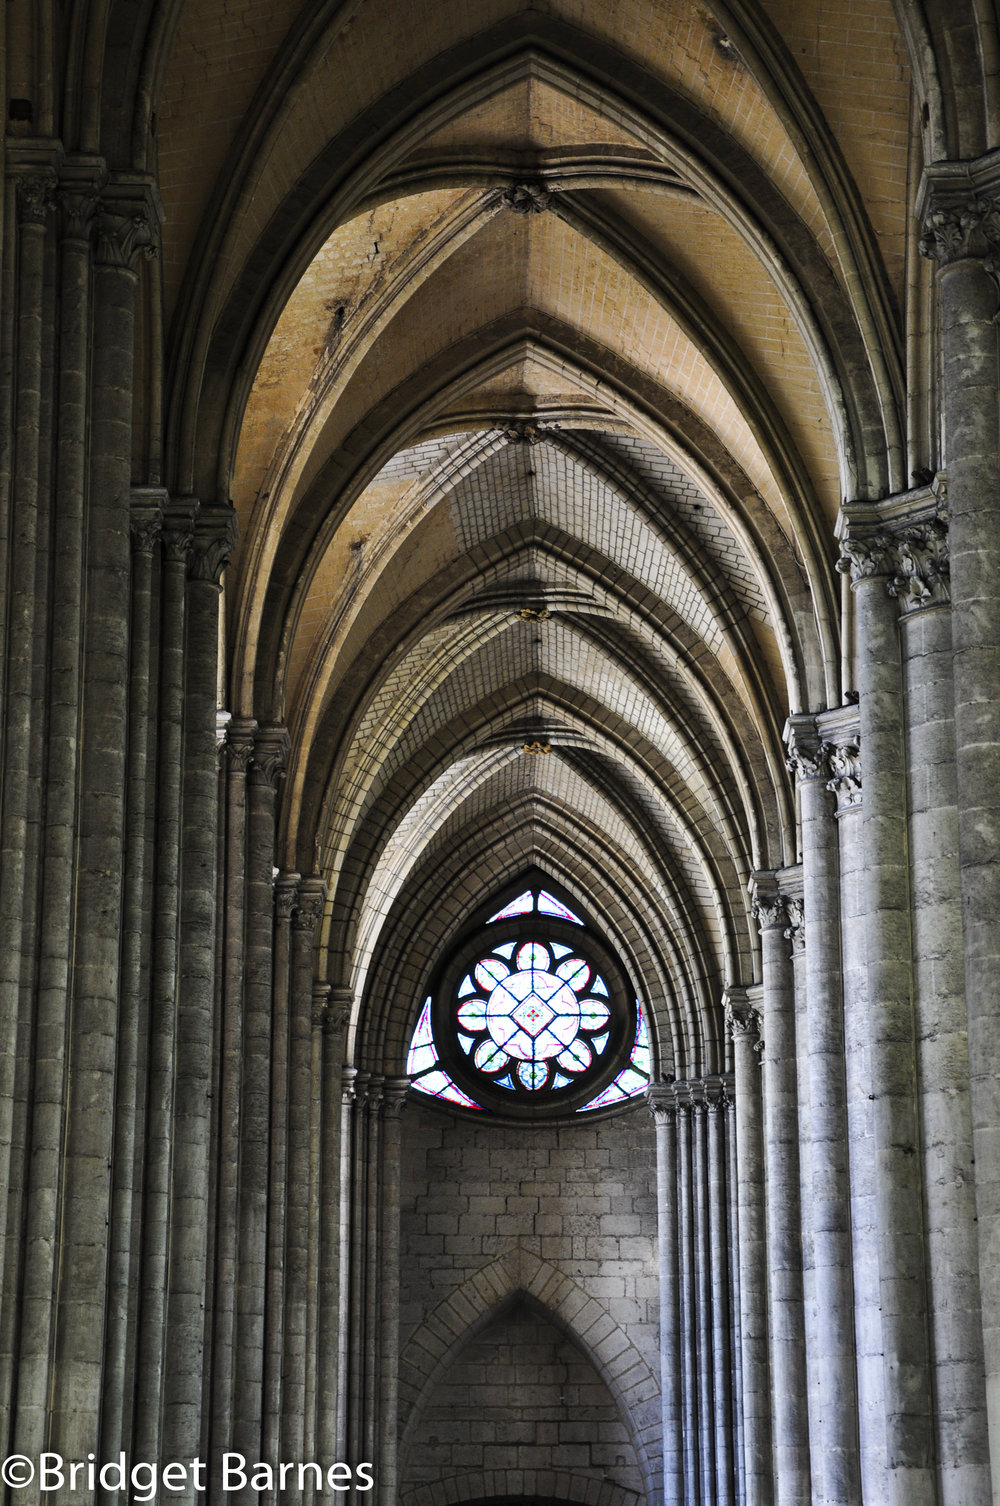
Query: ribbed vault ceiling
x: 536, y: 350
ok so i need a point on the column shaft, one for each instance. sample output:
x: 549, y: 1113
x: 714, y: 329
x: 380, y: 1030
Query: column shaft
x: 909, y: 1430
x: 744, y: 1024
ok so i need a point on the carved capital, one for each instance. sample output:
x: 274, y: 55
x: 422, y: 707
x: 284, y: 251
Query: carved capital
x: 795, y: 930
x: 743, y: 1021
x: 312, y: 898
x: 922, y: 566
x: 36, y: 197
x: 807, y: 752
x: 178, y: 529
x: 770, y: 911
x: 146, y: 519
x: 348, y: 1085
x: 862, y: 559
x: 526, y: 198
x: 239, y: 744
x: 286, y: 889
x: 394, y: 1097
x: 216, y: 533
x: 845, y: 771
x: 716, y: 1093
x: 270, y: 750
x: 661, y: 1102
x: 958, y: 231
x: 124, y: 239
x: 78, y: 206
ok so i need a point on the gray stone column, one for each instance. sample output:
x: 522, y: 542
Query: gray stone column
x: 124, y: 236
x: 30, y: 205
x: 184, y: 1432
x: 702, y: 1284
x: 908, y: 1477
x: 663, y: 1108
x: 717, y: 1104
x: 286, y: 887
x: 743, y: 1022
x: 270, y: 746
x: 960, y: 203
x: 386, y: 1455
x: 298, y: 1393
x: 237, y: 755
x: 689, y: 1294
x: 55, y: 929
x: 841, y: 732
x: 784, y: 1245
x: 919, y: 555
x: 133, y: 1029
x: 178, y: 531
x: 333, y: 1173
x: 736, y: 1332
x: 831, y: 1346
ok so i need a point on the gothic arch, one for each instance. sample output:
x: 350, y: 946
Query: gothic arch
x: 468, y: 1309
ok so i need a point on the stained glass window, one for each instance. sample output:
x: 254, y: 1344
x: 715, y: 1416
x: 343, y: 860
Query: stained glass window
x: 530, y: 1016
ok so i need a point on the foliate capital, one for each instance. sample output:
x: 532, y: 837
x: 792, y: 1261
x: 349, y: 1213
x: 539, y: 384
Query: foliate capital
x: 743, y: 1021
x: 125, y: 239
x: 178, y: 529
x: 312, y: 898
x: 661, y: 1102
x: 286, y: 889
x: 863, y: 559
x: 270, y: 750
x: 795, y: 930
x: 216, y: 533
x: 845, y: 772
x: 394, y: 1094
x: 239, y: 744
x: 78, y: 203
x: 36, y: 197
x: 923, y: 567
x: 146, y: 518
x: 807, y: 752
x: 958, y: 231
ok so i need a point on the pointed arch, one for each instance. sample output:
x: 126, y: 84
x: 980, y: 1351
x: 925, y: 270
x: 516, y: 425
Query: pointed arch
x: 466, y: 1312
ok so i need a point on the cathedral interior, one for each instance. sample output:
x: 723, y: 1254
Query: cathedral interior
x: 500, y: 753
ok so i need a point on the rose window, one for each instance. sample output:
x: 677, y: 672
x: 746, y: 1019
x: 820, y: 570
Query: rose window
x: 532, y: 1013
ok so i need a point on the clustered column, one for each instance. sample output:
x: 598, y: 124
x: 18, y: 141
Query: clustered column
x: 698, y: 1247
x: 960, y: 206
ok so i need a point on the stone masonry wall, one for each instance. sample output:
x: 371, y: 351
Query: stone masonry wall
x: 537, y: 1245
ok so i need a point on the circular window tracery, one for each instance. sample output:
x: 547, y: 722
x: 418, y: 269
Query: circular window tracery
x: 533, y: 1013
